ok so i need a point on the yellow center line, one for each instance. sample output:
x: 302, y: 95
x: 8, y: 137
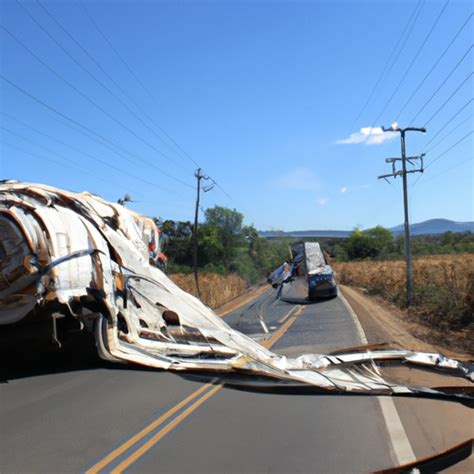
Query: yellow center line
x: 181, y: 417
x: 134, y: 439
x: 163, y: 432
x: 276, y: 336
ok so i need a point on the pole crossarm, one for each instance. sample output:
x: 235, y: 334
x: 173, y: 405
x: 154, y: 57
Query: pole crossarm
x: 395, y: 172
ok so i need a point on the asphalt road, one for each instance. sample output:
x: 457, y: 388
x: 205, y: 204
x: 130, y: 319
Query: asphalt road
x: 99, y: 417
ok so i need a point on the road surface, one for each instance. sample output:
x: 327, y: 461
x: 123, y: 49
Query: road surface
x: 90, y: 416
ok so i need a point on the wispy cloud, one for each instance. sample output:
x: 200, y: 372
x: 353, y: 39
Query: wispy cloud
x: 350, y: 189
x: 298, y: 179
x: 322, y: 201
x: 368, y: 136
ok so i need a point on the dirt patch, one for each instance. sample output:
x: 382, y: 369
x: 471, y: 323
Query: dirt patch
x: 240, y: 300
x: 384, y: 322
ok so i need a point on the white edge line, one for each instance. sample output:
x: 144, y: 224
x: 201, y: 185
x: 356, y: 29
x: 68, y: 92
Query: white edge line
x: 401, y: 451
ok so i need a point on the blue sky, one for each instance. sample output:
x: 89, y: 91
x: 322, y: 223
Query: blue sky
x: 265, y: 96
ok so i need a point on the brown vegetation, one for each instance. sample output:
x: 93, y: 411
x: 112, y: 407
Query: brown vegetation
x: 215, y: 289
x: 444, y: 286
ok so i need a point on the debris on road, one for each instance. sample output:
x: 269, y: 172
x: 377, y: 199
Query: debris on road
x: 307, y: 277
x: 74, y: 256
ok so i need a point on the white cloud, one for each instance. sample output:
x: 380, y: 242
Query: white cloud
x: 298, y: 179
x: 322, y: 201
x: 369, y: 136
x: 350, y: 189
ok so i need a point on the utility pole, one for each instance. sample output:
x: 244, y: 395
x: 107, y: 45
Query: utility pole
x: 199, y: 176
x: 403, y: 173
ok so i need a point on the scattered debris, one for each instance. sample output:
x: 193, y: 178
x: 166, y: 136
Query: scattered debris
x: 307, y: 277
x: 78, y: 257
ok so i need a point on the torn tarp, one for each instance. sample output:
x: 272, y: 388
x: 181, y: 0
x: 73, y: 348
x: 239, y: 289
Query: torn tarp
x: 78, y: 256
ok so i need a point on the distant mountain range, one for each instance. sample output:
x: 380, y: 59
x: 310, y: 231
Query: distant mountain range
x: 435, y: 226
x: 432, y: 226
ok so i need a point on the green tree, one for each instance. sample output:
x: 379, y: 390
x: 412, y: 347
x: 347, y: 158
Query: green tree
x: 370, y: 243
x: 229, y: 222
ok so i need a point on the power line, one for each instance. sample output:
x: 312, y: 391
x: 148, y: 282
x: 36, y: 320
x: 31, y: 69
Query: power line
x: 448, y: 99
x: 130, y: 70
x: 116, y: 168
x: 449, y: 149
x: 138, y: 137
x: 117, y: 53
x: 221, y: 188
x: 104, y: 162
x: 468, y: 119
x: 442, y: 154
x: 91, y: 57
x: 449, y: 121
x: 447, y: 170
x: 442, y: 83
x: 413, y: 60
x: 66, y: 163
x: 382, y: 74
x: 69, y: 119
x: 434, y: 66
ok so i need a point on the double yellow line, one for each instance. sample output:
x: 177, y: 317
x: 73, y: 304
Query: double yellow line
x: 202, y: 394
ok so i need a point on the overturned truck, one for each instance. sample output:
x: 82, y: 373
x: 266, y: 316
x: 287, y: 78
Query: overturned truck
x: 77, y: 257
x: 307, y: 277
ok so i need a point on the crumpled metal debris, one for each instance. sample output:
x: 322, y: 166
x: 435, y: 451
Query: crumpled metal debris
x: 88, y: 259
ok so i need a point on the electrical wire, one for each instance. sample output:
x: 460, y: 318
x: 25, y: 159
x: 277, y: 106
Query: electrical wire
x: 110, y: 78
x: 44, y: 104
x: 447, y: 100
x: 433, y: 26
x: 449, y: 149
x: 460, y: 61
x: 434, y: 66
x: 130, y: 70
x: 382, y: 74
x: 117, y: 121
x: 441, y: 155
x: 105, y: 163
x: 468, y: 119
x: 448, y: 169
x: 449, y: 121
x: 67, y: 163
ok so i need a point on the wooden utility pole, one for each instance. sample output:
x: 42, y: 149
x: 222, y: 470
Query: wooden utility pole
x: 199, y: 176
x: 403, y: 173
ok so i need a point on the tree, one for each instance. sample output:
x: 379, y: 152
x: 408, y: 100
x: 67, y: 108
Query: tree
x: 176, y: 241
x: 370, y: 243
x: 229, y: 222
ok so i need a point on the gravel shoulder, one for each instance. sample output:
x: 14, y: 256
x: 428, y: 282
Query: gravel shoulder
x: 384, y: 322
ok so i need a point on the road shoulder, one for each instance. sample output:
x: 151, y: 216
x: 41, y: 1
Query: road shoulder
x: 386, y: 323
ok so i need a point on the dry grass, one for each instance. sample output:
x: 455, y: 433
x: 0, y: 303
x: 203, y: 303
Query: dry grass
x: 444, y: 286
x: 215, y: 289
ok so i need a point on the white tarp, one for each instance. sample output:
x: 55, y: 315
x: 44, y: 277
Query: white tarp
x: 88, y: 254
